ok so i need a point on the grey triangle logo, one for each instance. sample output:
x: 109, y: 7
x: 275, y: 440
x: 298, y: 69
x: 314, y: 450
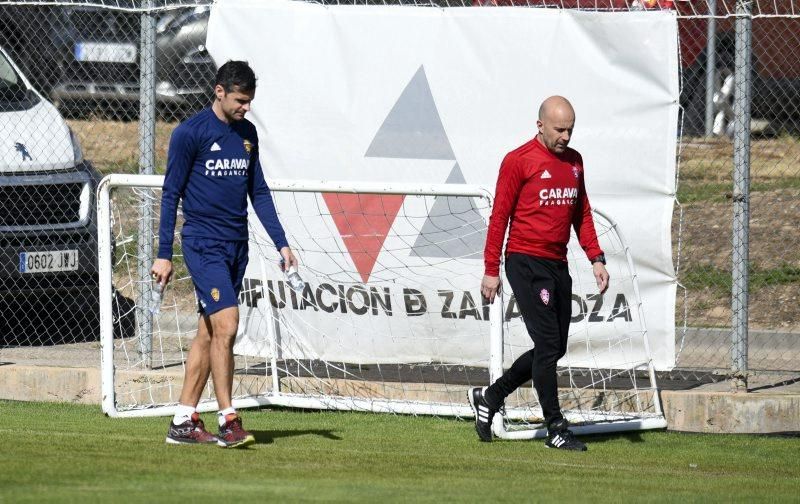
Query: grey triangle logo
x: 454, y: 227
x: 413, y: 128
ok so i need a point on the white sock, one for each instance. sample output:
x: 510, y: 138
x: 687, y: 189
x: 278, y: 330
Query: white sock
x: 183, y: 414
x: 223, y: 413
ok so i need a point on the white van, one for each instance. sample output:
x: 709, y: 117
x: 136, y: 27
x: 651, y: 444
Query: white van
x: 48, y: 238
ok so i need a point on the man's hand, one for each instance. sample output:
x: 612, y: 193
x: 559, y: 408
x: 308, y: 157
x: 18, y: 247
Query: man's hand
x: 162, y: 272
x: 490, y: 285
x: 601, y: 276
x: 289, y: 259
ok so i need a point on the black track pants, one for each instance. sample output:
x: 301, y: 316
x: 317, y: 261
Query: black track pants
x: 543, y: 291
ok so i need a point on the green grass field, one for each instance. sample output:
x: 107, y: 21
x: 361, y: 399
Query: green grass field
x: 60, y: 452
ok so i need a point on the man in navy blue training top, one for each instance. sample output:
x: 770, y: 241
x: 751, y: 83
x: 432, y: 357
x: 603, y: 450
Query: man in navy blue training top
x: 213, y: 165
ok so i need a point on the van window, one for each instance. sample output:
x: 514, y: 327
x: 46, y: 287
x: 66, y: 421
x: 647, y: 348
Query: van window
x: 11, y: 86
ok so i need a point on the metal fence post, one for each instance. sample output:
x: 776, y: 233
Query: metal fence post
x: 741, y: 195
x: 711, y: 65
x: 147, y: 135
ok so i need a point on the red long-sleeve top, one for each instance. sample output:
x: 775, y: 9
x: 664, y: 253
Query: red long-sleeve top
x: 543, y: 194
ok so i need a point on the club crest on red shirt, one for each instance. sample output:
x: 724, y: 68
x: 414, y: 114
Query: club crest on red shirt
x: 544, y: 294
x: 576, y: 172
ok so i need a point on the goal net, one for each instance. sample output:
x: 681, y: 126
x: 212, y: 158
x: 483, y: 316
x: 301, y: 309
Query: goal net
x: 606, y: 379
x: 390, y: 318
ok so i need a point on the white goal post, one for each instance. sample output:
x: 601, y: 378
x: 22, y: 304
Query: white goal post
x: 390, y: 320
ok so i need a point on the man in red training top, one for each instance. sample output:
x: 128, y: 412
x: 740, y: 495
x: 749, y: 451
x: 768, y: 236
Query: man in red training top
x: 541, y: 189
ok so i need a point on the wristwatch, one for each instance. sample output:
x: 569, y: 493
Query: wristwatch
x: 601, y: 258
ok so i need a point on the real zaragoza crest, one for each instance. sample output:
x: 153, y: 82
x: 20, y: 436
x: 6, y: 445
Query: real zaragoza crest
x: 544, y: 295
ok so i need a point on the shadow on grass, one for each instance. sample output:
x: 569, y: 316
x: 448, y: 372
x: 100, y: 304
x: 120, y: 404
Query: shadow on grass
x: 267, y: 437
x: 631, y: 437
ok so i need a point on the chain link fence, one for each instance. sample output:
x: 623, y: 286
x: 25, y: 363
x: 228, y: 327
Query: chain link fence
x: 92, y: 88
x: 86, y: 89
x: 739, y: 187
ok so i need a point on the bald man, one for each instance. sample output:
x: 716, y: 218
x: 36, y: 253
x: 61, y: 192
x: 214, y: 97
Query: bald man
x: 540, y: 187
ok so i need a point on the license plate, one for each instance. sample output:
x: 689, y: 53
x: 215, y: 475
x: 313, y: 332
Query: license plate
x: 41, y: 262
x: 105, y: 52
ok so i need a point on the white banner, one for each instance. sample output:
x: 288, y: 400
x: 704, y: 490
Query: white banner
x: 419, y: 94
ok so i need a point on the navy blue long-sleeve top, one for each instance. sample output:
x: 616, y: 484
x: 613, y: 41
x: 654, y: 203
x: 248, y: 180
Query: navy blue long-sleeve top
x: 213, y: 166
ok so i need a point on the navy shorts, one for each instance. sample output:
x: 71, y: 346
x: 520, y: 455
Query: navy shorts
x: 217, y: 269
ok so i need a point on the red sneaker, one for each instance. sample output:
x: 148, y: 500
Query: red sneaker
x: 232, y: 435
x: 192, y: 431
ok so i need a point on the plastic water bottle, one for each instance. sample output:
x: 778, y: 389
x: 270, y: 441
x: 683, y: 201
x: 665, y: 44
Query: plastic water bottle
x: 293, y: 278
x: 155, y: 298
x: 295, y: 282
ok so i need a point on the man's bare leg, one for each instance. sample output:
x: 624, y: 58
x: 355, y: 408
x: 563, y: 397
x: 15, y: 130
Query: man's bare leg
x: 198, y: 364
x: 224, y: 324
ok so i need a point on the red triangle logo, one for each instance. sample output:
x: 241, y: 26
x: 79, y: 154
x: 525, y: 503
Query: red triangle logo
x: 363, y: 221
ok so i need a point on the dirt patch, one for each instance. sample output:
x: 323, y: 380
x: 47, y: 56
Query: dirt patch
x: 707, y: 242
x: 707, y: 231
x: 113, y: 146
x: 711, y: 159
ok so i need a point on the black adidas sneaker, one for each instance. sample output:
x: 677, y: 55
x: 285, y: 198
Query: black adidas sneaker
x: 483, y: 413
x: 559, y: 436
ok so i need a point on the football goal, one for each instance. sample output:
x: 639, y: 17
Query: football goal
x: 390, y: 318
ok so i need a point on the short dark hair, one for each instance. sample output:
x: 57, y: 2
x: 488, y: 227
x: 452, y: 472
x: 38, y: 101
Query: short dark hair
x: 236, y: 74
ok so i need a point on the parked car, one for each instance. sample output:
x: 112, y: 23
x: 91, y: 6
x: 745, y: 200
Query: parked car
x: 185, y: 69
x: 48, y: 237
x: 87, y: 58
x: 101, y: 63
